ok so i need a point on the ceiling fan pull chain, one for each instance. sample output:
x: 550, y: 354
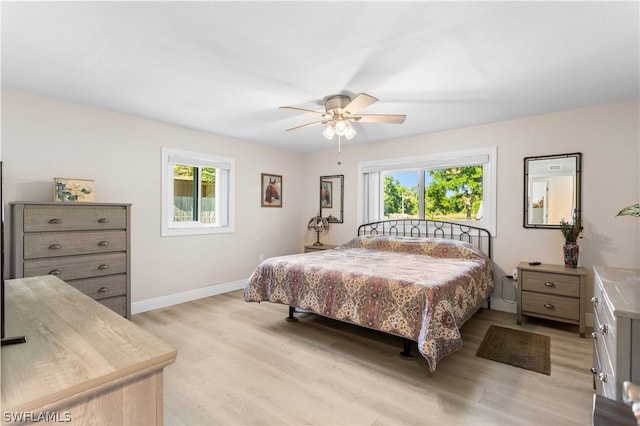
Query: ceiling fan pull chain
x: 339, y: 152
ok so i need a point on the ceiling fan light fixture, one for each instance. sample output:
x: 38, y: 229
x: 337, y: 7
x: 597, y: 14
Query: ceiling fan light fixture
x: 329, y: 132
x: 341, y: 127
x: 341, y: 110
x: 350, y: 132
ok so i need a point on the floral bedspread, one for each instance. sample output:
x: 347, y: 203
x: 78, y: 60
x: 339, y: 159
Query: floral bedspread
x: 421, y: 289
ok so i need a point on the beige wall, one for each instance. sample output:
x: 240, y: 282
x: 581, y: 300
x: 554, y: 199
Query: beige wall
x: 44, y: 138
x: 608, y: 137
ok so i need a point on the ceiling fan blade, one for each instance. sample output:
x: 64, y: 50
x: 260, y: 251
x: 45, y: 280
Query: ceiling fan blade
x: 379, y: 118
x: 359, y: 103
x: 303, y: 110
x: 315, y: 123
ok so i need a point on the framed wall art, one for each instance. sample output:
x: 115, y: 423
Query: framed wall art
x: 326, y: 194
x: 72, y: 190
x: 271, y: 190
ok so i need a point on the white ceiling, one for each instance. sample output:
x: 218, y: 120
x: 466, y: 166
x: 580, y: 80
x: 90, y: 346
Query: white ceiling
x: 226, y: 67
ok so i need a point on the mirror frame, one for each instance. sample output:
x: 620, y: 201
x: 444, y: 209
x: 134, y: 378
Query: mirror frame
x: 578, y: 180
x: 331, y: 218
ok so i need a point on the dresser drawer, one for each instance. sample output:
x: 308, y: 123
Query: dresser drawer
x: 74, y: 267
x: 605, y: 377
x: 44, y: 218
x: 604, y: 322
x: 51, y: 244
x: 604, y: 332
x: 102, y: 287
x: 116, y: 304
x: 551, y: 305
x: 545, y: 282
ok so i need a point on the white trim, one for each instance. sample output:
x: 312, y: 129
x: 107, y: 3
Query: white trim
x: 226, y: 216
x: 451, y: 159
x: 187, y: 296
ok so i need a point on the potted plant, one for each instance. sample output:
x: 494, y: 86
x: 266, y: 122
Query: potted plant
x: 571, y: 232
x: 633, y: 210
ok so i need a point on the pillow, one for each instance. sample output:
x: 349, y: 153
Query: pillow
x: 435, y: 247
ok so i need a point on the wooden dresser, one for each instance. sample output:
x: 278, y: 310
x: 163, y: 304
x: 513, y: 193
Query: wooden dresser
x: 85, y: 244
x: 552, y: 292
x: 82, y: 364
x: 616, y: 335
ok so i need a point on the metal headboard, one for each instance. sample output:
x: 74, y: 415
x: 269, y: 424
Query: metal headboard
x: 478, y: 237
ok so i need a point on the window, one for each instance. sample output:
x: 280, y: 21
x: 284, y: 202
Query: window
x: 456, y: 187
x: 197, y: 192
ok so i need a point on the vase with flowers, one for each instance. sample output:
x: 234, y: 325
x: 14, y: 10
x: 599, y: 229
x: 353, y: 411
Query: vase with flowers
x: 571, y: 232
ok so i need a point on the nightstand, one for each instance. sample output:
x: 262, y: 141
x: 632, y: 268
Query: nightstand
x: 552, y: 292
x: 310, y: 247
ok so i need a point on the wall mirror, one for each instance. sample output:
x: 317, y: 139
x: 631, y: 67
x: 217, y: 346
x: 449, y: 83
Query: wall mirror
x: 332, y: 197
x: 551, y: 189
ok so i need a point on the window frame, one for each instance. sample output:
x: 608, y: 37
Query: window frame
x: 486, y: 156
x: 225, y: 193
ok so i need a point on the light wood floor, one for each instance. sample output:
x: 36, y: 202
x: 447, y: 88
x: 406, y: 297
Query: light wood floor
x: 241, y: 363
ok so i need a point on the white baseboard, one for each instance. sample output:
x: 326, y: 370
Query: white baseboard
x: 501, y: 305
x: 187, y: 296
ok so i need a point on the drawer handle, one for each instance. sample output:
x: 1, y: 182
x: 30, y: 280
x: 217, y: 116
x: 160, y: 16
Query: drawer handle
x: 549, y: 306
x: 594, y: 336
x: 103, y: 220
x: 103, y: 289
x: 550, y: 284
x: 54, y: 272
x: 103, y: 243
x: 54, y: 221
x: 603, y: 328
x: 55, y: 247
x: 103, y: 266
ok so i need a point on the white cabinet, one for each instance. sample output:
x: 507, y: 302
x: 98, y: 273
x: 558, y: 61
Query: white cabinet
x: 616, y: 335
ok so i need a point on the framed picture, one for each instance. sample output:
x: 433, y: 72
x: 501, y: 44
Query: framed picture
x: 326, y: 194
x: 72, y: 190
x: 271, y: 186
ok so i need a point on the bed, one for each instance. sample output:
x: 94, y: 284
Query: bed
x: 416, y: 279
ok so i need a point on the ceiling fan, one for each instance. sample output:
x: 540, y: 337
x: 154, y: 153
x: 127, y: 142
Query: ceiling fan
x: 341, y: 110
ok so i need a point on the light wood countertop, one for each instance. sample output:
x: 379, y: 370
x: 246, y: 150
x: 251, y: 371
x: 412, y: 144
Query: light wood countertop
x: 75, y: 346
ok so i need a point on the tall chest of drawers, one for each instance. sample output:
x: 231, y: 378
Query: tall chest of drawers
x: 616, y: 325
x: 88, y: 245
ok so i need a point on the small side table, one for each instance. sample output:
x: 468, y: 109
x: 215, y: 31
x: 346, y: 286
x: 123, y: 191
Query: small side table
x: 308, y: 248
x: 552, y: 292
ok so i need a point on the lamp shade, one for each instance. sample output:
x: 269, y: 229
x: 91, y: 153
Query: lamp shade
x: 350, y: 132
x: 341, y: 127
x: 318, y: 223
x: 329, y: 132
